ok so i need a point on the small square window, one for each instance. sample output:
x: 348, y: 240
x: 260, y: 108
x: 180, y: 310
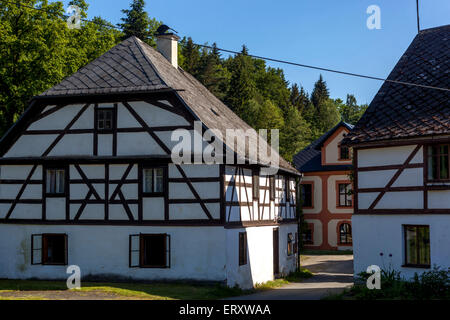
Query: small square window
x: 49, y: 249
x: 55, y: 182
x: 149, y: 250
x: 153, y: 180
x: 105, y: 118
x: 344, y: 153
x: 154, y: 250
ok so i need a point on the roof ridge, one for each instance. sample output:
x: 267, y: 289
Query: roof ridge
x: 139, y: 45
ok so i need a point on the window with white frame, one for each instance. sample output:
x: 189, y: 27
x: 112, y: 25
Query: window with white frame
x: 153, y: 180
x: 55, y: 182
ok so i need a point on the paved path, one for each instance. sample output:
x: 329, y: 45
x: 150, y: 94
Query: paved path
x: 332, y: 273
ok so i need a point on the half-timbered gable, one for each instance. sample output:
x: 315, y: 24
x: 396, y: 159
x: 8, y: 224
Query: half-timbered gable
x: 97, y: 151
x: 401, y: 151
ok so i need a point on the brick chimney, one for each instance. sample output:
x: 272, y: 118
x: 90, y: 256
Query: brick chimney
x: 167, y: 45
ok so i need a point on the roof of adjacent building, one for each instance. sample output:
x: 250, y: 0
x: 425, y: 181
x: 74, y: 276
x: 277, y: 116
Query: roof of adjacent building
x: 401, y: 111
x: 133, y: 66
x: 310, y: 158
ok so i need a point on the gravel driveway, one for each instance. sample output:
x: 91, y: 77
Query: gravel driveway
x: 332, y: 274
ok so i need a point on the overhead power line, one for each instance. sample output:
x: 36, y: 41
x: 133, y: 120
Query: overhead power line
x: 327, y: 69
x: 352, y: 74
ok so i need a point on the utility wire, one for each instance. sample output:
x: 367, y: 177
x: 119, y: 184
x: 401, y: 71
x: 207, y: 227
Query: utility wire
x: 260, y: 57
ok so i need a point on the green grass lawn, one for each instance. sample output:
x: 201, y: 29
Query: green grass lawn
x: 42, y: 290
x: 151, y: 291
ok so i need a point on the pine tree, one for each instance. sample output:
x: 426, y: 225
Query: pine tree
x: 351, y: 112
x: 191, y: 54
x: 320, y: 92
x: 242, y: 85
x: 137, y: 23
x: 295, y: 135
x: 299, y: 98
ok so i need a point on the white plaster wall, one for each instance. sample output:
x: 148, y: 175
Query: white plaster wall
x: 332, y: 193
x: 196, y: 252
x: 387, y: 156
x: 374, y: 179
x: 156, y: 117
x: 136, y: 143
x: 410, y: 177
x: 380, y: 178
x: 259, y: 268
x: 30, y: 145
x: 375, y: 234
x: 366, y: 199
x: 401, y: 200
x: 194, y: 171
x: 287, y: 263
x: 439, y: 199
x: 153, y: 208
x: 55, y: 208
x: 73, y: 145
x: 19, y: 172
x: 332, y: 149
x: 317, y: 194
x: 57, y: 120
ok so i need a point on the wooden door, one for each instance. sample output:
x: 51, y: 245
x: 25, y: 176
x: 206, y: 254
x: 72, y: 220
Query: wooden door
x: 276, y: 252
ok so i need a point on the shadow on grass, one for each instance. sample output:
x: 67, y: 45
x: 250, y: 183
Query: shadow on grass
x: 156, y: 290
x: 325, y: 252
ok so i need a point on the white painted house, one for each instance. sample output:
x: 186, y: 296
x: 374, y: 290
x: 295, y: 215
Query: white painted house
x: 401, y: 148
x: 87, y: 179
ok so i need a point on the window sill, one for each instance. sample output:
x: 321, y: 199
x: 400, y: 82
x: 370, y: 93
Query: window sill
x: 55, y: 195
x: 344, y: 207
x: 421, y: 266
x: 54, y: 264
x: 153, y: 194
x: 154, y: 267
x: 345, y: 244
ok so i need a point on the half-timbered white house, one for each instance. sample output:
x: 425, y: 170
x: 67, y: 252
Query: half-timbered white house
x: 401, y: 149
x: 87, y: 179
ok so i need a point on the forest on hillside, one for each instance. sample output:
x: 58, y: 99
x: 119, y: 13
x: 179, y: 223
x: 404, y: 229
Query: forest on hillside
x: 38, y: 50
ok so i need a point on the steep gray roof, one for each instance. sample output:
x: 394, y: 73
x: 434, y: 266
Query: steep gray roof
x: 400, y: 111
x: 124, y: 68
x: 133, y: 66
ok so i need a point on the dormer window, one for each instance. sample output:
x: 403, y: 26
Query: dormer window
x: 344, y: 153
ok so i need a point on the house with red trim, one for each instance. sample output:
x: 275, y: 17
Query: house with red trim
x: 326, y: 191
x: 401, y: 149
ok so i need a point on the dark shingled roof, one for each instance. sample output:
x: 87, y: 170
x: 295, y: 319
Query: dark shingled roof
x: 133, y: 66
x: 400, y: 111
x: 310, y: 158
x: 124, y: 68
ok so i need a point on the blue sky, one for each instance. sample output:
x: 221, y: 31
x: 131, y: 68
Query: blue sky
x: 327, y: 33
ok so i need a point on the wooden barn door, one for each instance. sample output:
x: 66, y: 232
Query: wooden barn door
x: 276, y: 252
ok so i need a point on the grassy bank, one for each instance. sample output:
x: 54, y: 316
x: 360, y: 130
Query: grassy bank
x: 42, y: 290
